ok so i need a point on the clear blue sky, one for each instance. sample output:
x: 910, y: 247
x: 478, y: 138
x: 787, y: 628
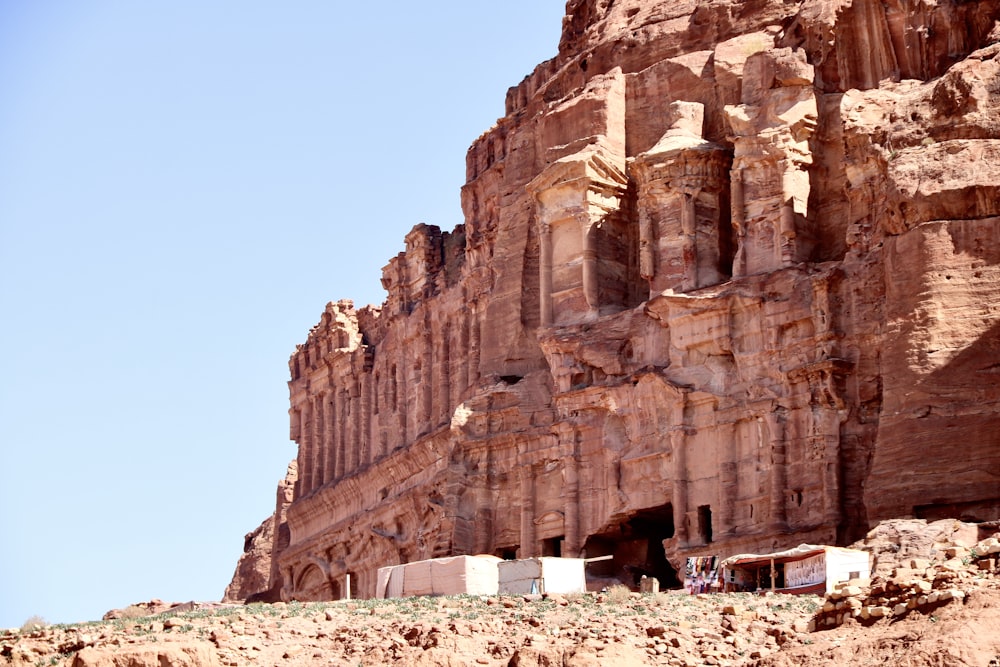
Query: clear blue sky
x: 183, y: 186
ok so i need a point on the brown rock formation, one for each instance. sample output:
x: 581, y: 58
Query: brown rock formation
x: 727, y: 282
x: 257, y: 578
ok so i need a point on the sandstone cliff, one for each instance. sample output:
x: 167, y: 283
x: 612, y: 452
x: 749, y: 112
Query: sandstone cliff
x: 728, y: 281
x: 257, y: 578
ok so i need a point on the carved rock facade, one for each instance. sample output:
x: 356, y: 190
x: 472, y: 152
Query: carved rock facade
x: 728, y: 281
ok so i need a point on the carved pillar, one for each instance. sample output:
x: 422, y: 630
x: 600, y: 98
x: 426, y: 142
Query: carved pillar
x: 399, y: 404
x: 297, y: 427
x: 739, y: 213
x: 316, y: 442
x: 545, y: 273
x: 450, y: 389
x: 827, y: 412
x: 330, y: 437
x: 680, y: 495
x: 426, y: 377
x: 827, y: 426
x: 786, y: 229
x: 690, y: 235
x: 320, y: 431
x: 822, y: 315
x: 306, y: 463
x: 475, y: 346
x: 590, y: 269
x: 528, y: 547
x: 350, y: 442
x: 287, y: 583
x: 728, y: 481
x: 342, y: 444
x: 465, y: 368
x: 444, y: 386
x: 775, y: 421
x: 573, y: 542
x: 375, y: 429
x: 366, y: 418
x: 647, y: 244
x: 357, y: 426
x: 678, y: 448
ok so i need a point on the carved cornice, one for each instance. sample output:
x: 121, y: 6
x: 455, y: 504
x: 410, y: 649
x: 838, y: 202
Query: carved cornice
x: 575, y: 185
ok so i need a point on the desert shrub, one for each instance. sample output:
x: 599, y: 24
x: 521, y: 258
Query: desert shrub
x: 133, y: 611
x: 33, y: 624
x: 661, y: 599
x: 619, y: 593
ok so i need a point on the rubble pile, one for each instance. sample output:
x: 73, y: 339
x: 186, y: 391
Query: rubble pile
x: 921, y: 585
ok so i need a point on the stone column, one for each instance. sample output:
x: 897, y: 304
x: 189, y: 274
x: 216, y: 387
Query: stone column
x: 297, y: 428
x: 356, y: 425
x: 475, y: 345
x: 678, y: 447
x: 573, y: 543
x: 342, y: 444
x: 319, y: 440
x: 528, y: 547
x: 728, y: 486
x: 350, y: 444
x: 827, y: 425
x: 287, y: 583
x: 424, y: 415
x: 399, y: 404
x: 680, y: 495
x: 444, y: 380
x: 307, y: 464
x: 590, y: 269
x: 465, y: 372
x: 545, y: 273
x: 366, y: 418
x: 689, y: 228
x: 775, y: 420
x: 332, y: 439
x: 378, y: 405
x: 822, y: 316
x: 647, y: 244
x: 826, y: 410
x: 786, y: 228
x: 739, y: 216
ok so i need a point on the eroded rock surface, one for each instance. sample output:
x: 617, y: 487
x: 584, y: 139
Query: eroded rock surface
x: 257, y: 578
x: 727, y: 282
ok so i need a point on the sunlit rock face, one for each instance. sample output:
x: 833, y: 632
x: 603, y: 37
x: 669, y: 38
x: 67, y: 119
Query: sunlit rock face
x: 728, y: 281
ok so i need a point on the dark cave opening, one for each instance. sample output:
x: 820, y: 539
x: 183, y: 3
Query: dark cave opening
x: 636, y: 545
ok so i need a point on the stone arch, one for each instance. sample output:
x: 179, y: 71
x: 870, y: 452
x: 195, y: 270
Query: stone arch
x: 312, y: 583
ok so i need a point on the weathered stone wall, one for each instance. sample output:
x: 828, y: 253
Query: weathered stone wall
x: 728, y: 281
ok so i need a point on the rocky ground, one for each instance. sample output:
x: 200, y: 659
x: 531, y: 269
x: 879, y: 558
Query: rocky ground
x: 940, y: 608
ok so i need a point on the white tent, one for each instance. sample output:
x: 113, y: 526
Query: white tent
x: 542, y: 575
x: 457, y: 575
